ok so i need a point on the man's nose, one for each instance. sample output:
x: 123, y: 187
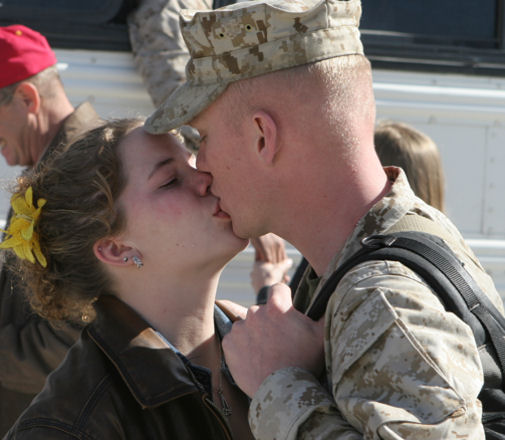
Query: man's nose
x: 202, y: 182
x: 200, y: 161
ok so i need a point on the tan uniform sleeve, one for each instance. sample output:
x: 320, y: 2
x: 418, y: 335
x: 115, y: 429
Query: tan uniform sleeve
x: 292, y: 404
x: 159, y: 51
x: 398, y: 367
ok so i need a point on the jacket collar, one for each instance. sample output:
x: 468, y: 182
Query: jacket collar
x: 82, y: 119
x: 150, y: 366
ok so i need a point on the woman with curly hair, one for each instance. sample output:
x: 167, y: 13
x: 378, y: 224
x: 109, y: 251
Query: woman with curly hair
x: 120, y: 231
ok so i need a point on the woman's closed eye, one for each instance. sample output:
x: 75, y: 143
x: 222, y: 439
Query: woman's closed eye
x: 169, y: 183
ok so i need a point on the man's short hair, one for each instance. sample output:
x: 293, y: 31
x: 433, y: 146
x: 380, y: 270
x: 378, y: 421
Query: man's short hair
x: 40, y: 80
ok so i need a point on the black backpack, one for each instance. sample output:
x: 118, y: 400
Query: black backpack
x: 429, y: 256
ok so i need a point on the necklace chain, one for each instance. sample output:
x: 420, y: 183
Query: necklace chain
x: 225, y: 407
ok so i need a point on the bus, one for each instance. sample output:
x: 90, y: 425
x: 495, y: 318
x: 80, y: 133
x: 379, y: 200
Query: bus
x: 438, y: 65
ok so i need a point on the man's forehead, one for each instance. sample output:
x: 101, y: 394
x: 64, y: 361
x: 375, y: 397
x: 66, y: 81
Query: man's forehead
x: 195, y: 122
x: 210, y: 111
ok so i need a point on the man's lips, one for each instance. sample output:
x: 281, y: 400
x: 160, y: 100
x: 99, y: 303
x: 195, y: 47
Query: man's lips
x: 218, y: 212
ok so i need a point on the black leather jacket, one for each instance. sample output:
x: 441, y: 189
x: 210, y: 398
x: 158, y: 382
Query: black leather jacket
x: 30, y: 348
x: 122, y: 380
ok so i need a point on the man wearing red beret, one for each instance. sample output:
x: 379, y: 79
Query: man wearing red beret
x: 36, y: 117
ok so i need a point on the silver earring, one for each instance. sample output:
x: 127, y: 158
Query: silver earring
x: 125, y: 259
x: 137, y: 261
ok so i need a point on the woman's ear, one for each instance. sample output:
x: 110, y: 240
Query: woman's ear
x: 267, y: 145
x: 29, y: 95
x: 112, y: 251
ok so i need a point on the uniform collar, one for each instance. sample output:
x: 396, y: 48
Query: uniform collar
x: 384, y: 214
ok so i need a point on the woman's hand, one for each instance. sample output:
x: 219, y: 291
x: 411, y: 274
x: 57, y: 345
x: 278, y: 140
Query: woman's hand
x: 267, y: 274
x: 269, y: 248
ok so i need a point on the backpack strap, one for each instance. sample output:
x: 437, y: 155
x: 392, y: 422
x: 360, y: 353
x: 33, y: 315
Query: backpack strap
x: 409, y: 222
x: 430, y: 258
x: 415, y: 222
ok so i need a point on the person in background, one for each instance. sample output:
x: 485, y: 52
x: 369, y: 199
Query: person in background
x: 397, y: 144
x: 159, y: 52
x: 281, y: 95
x: 36, y: 117
x: 402, y: 145
x: 271, y: 265
x: 126, y: 235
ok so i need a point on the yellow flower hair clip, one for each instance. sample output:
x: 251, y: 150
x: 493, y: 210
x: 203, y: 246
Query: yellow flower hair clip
x: 22, y: 237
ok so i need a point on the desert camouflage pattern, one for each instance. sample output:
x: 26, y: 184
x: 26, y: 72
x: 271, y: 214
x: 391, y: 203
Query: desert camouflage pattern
x: 159, y: 52
x: 397, y: 365
x: 252, y: 38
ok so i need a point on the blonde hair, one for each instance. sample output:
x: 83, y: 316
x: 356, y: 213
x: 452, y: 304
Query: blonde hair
x: 334, y: 75
x: 81, y: 185
x: 338, y: 91
x: 401, y: 145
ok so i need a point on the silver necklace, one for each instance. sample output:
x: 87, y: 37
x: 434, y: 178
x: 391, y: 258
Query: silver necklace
x: 225, y: 407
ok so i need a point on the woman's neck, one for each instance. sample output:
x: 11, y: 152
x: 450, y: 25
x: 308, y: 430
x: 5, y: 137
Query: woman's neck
x: 182, y: 310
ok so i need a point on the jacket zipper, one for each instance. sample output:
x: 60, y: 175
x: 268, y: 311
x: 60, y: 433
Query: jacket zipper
x: 224, y: 424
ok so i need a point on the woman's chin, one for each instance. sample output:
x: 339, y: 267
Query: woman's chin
x: 241, y: 244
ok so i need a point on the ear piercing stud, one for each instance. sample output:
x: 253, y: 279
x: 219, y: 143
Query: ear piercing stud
x: 137, y: 261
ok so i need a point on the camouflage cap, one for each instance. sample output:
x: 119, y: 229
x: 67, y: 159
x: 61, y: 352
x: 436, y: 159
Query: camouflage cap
x: 252, y: 38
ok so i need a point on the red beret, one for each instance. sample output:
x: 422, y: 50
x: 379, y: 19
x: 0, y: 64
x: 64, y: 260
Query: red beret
x: 25, y: 53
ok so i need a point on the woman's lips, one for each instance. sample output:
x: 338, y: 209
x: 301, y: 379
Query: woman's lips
x: 220, y: 213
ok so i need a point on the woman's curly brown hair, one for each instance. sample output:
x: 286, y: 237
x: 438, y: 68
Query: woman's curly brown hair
x: 81, y: 185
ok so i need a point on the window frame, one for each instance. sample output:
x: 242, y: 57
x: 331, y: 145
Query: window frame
x: 390, y: 50
x: 387, y: 50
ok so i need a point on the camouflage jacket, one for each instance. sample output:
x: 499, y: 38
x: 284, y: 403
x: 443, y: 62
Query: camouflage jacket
x: 159, y: 51
x: 398, y: 366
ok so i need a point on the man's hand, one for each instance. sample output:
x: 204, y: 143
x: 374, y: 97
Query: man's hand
x: 269, y: 248
x: 271, y: 337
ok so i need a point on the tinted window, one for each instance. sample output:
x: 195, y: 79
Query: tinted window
x: 77, y: 24
x: 464, y: 36
x: 451, y: 19
x: 94, y: 11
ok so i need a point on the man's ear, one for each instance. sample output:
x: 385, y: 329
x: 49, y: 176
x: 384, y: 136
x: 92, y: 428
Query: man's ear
x: 29, y: 95
x: 267, y: 140
x: 112, y: 251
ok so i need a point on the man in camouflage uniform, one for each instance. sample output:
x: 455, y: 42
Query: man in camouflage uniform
x: 281, y: 96
x: 159, y: 52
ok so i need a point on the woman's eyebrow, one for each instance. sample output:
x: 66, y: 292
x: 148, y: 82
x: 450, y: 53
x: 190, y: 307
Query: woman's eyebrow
x: 158, y: 165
